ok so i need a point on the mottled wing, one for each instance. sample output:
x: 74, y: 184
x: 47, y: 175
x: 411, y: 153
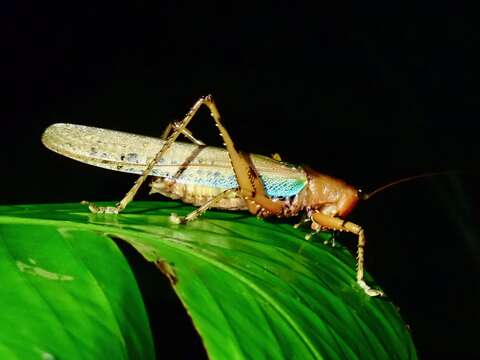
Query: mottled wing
x: 185, y: 162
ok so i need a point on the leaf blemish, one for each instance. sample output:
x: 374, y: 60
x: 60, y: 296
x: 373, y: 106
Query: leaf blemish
x: 167, y: 269
x: 38, y: 271
x: 44, y: 355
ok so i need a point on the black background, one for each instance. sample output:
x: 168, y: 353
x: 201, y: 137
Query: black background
x: 368, y: 94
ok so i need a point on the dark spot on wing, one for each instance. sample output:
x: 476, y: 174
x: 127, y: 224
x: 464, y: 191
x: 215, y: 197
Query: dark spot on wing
x: 132, y: 157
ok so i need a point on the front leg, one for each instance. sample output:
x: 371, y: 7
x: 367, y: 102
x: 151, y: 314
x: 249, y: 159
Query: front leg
x: 335, y: 223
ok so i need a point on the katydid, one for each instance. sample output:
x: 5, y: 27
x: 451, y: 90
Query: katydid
x: 211, y: 177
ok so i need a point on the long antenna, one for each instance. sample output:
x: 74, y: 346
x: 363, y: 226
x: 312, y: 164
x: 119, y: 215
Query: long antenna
x: 396, y: 182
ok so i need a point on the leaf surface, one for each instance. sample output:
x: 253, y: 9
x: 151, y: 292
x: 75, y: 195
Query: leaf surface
x: 66, y: 292
x: 254, y: 288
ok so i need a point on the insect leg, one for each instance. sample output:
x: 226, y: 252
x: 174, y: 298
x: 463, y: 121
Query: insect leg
x: 251, y: 187
x: 168, y: 143
x: 172, y: 126
x: 199, y: 211
x: 304, y: 219
x: 276, y: 156
x: 168, y: 130
x: 335, y: 223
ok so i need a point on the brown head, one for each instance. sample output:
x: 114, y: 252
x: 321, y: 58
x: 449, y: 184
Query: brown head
x: 329, y: 195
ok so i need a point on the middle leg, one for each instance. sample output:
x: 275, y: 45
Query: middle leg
x: 199, y: 211
x: 173, y: 126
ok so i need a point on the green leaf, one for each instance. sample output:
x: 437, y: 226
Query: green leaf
x: 66, y: 292
x: 254, y: 288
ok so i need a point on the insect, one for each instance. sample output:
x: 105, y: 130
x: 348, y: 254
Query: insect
x: 211, y: 177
